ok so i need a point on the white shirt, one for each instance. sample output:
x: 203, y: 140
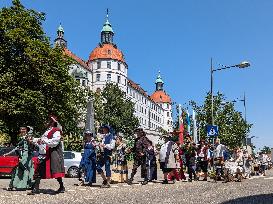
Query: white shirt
x: 263, y: 159
x: 219, y: 151
x: 54, y: 141
x: 163, y: 152
x: 110, y: 146
x: 42, y: 147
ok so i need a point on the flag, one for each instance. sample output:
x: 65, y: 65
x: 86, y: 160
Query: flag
x: 181, y: 125
x: 194, y: 127
x: 188, y: 120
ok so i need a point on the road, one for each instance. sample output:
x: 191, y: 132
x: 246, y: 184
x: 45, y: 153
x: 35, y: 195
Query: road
x: 255, y: 190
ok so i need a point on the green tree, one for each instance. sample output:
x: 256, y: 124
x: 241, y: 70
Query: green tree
x: 266, y: 150
x: 113, y: 108
x: 34, y: 79
x: 232, y: 126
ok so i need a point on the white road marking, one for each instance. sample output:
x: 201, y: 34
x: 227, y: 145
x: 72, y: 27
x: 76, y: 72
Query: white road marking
x: 114, y: 186
x: 126, y: 185
x: 82, y: 189
x: 255, y: 177
x: 268, y: 178
x: 71, y: 190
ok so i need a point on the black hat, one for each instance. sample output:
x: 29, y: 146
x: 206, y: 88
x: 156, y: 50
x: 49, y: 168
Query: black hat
x: 139, y: 130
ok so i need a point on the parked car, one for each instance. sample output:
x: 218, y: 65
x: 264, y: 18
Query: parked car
x: 72, y: 162
x: 8, y: 163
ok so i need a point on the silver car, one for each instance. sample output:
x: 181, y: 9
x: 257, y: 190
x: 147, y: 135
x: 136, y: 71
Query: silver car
x: 71, y: 163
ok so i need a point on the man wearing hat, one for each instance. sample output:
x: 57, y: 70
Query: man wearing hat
x: 107, y: 145
x: 51, y: 161
x: 140, y: 146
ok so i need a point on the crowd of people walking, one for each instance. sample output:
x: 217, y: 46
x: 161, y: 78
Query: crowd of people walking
x: 106, y: 154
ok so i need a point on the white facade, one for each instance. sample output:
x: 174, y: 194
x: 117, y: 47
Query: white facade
x: 101, y: 70
x: 168, y: 116
x: 149, y: 114
x: 108, y: 71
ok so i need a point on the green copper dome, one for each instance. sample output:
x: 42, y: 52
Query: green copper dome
x: 60, y: 28
x: 107, y: 27
x: 159, y: 79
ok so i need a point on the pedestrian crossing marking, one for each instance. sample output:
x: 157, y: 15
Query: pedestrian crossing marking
x: 126, y: 185
x: 114, y: 186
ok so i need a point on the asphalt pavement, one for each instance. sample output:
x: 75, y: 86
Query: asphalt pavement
x: 251, y: 191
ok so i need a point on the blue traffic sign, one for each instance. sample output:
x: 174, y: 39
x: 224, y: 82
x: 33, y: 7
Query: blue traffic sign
x: 212, y: 130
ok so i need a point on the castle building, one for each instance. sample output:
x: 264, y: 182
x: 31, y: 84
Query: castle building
x: 106, y: 63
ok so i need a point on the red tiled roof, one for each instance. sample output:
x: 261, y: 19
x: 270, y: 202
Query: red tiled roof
x: 137, y: 87
x: 76, y: 58
x: 106, y: 51
x: 161, y: 97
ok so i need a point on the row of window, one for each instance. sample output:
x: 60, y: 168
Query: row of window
x: 156, y: 118
x: 145, y: 122
x: 139, y: 97
x: 109, y: 65
x: 109, y: 78
x: 144, y: 111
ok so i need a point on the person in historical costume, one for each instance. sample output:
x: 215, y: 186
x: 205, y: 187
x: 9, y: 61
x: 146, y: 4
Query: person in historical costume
x: 151, y: 162
x: 51, y: 161
x: 263, y: 160
x: 190, y: 153
x: 168, y: 157
x: 248, y: 166
x: 218, y: 156
x: 202, y: 160
x: 104, y: 159
x: 178, y: 174
x: 88, y: 161
x: 141, y: 144
x: 22, y: 176
x: 120, y: 168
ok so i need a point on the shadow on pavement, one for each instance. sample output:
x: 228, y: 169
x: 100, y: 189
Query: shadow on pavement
x: 48, y: 191
x: 255, y: 199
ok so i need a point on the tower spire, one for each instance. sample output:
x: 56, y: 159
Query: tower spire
x: 60, y: 41
x: 107, y: 32
x: 107, y: 14
x: 159, y: 82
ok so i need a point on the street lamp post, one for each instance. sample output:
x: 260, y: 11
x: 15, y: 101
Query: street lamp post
x: 242, y: 65
x: 244, y: 103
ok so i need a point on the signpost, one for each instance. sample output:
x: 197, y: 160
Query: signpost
x: 212, y: 130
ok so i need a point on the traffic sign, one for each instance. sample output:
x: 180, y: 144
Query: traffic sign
x: 212, y: 130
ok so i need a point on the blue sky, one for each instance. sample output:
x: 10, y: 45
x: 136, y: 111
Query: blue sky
x: 178, y: 38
